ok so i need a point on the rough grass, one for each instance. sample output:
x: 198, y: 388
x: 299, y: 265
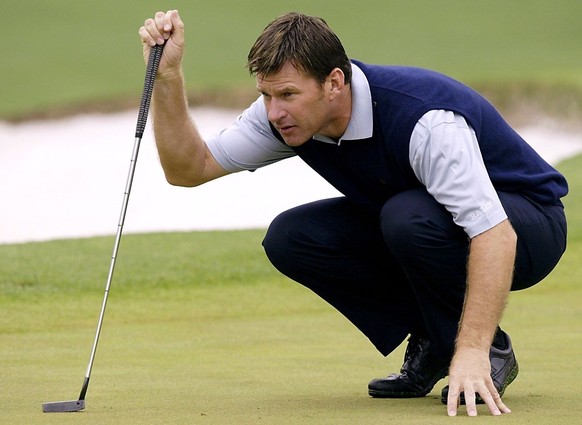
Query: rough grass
x: 68, y: 57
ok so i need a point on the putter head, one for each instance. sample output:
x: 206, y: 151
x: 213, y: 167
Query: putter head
x: 63, y: 406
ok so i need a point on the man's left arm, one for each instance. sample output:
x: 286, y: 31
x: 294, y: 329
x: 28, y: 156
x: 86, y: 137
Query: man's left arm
x: 489, y: 276
x: 445, y: 156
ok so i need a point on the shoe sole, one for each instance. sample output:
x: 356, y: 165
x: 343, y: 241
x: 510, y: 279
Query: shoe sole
x: 390, y: 394
x: 406, y: 394
x: 478, y: 400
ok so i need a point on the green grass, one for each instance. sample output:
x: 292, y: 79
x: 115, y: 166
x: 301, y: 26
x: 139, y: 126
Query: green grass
x: 62, y: 53
x: 201, y: 329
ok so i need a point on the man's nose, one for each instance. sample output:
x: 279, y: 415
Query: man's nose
x: 275, y: 111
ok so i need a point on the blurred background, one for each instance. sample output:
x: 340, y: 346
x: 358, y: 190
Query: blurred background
x: 72, y: 72
x: 63, y: 56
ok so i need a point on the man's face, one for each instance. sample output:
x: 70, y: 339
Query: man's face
x: 297, y: 104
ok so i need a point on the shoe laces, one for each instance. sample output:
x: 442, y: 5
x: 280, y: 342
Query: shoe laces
x: 414, y: 347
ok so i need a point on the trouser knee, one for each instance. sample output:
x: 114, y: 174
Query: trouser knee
x: 413, y: 221
x: 276, y: 243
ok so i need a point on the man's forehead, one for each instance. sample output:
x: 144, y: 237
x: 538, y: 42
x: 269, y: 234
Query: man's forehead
x: 288, y: 75
x: 287, y: 71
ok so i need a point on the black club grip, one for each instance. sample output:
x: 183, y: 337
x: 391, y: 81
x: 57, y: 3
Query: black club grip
x: 148, y: 87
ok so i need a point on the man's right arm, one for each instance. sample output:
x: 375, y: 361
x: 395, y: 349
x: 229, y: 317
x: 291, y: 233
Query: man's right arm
x: 183, y: 153
x: 184, y: 156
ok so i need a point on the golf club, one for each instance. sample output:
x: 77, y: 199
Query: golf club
x: 152, y: 68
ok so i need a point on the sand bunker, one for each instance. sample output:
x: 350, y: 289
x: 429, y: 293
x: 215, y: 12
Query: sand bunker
x: 65, y: 179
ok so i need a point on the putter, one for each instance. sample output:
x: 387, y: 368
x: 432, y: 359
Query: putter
x: 151, y: 70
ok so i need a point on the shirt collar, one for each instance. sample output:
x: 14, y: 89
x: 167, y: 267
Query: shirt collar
x: 361, y: 123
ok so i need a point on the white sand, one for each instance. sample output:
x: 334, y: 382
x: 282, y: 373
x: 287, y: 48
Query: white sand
x: 66, y: 178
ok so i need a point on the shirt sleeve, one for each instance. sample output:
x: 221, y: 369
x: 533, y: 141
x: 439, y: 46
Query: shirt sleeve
x: 248, y: 143
x: 445, y: 156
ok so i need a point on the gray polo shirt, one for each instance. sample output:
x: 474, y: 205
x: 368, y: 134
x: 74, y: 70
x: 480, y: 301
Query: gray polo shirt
x: 444, y: 154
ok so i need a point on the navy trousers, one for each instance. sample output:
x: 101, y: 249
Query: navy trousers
x: 403, y: 271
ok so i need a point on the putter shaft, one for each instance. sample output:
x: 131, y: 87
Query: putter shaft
x: 151, y: 70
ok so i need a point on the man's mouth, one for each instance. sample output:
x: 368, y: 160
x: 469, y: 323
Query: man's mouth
x: 286, y: 129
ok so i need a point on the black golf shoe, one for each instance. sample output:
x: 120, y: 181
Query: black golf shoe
x: 504, y: 370
x: 421, y: 370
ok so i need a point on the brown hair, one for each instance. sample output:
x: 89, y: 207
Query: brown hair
x: 305, y: 41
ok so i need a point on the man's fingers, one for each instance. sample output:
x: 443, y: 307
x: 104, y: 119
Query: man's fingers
x: 493, y: 401
x: 146, y: 37
x: 490, y: 403
x: 150, y: 34
x: 489, y: 396
x: 470, y: 402
x: 160, y: 18
x: 453, y: 401
x: 175, y: 26
x: 168, y: 20
x: 160, y: 28
x: 164, y: 28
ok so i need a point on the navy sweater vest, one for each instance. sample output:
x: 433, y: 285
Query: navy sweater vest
x: 370, y: 171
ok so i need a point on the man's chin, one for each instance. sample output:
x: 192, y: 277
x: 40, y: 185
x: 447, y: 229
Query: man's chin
x: 294, y: 141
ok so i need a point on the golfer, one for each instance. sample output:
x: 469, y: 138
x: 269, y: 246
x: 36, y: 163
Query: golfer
x: 446, y: 209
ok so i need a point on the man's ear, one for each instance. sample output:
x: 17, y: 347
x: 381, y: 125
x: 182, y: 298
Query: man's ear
x: 336, y: 79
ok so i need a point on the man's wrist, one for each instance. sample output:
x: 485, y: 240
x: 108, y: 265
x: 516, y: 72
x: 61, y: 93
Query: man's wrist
x: 170, y: 75
x: 473, y: 340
